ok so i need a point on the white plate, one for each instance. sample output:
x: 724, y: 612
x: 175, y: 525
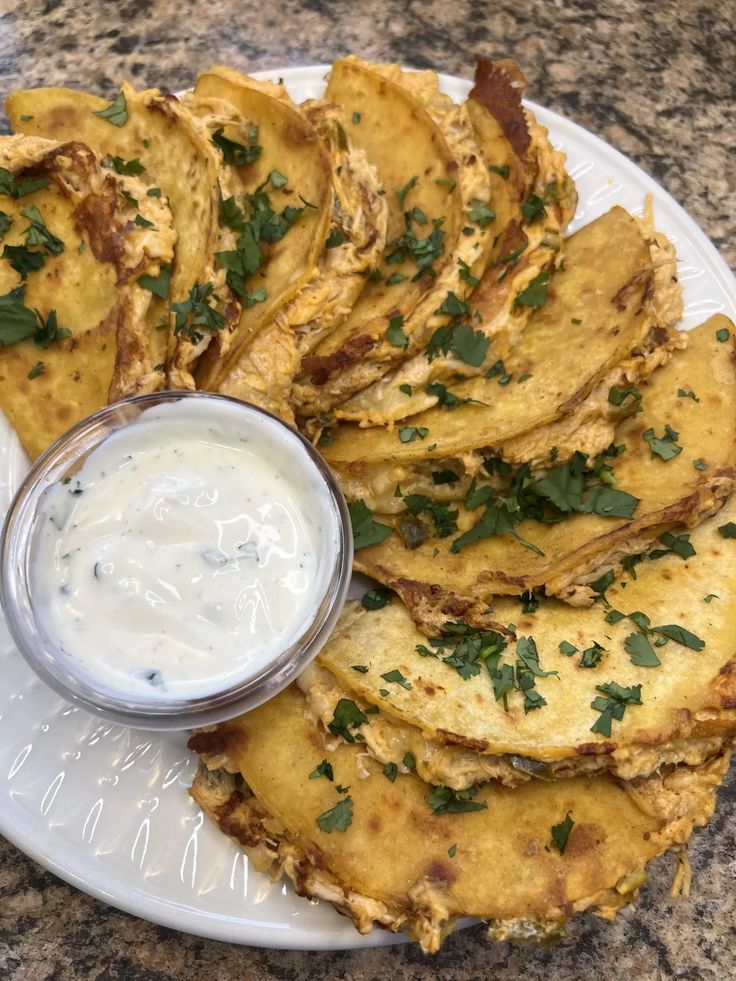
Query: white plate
x: 107, y: 809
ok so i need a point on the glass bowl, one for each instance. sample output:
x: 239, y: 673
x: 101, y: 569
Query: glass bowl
x: 63, y: 459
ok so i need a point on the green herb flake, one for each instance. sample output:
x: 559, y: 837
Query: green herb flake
x: 25, y: 118
x: 612, y: 704
x: 535, y: 294
x: 130, y: 168
x: 452, y: 850
x: 402, y: 192
x: 673, y: 545
x: 728, y: 530
x: 576, y: 321
x: 153, y: 192
x: 356, y: 118
x: 617, y: 396
x: 395, y: 332
x: 143, y: 222
x: 710, y: 597
x: 395, y: 278
x: 503, y: 171
x: 347, y: 715
x: 277, y: 179
x: 376, y: 598
x: 36, y: 370
x: 158, y: 285
x: 338, y: 818
x: 722, y: 335
x: 682, y: 394
x: 117, y: 112
x: 396, y: 677
x: 366, y: 531
x: 409, y: 762
x: 407, y: 434
x: 390, y: 770
x: 466, y: 275
x: 447, y: 182
x: 533, y: 209
x: 664, y: 446
x: 640, y: 650
x: 561, y: 833
x: 481, y: 214
x: 445, y: 800
x: 237, y: 154
x: 700, y: 464
x: 323, y: 769
x: 334, y: 239
x: 5, y: 222
x: 405, y: 389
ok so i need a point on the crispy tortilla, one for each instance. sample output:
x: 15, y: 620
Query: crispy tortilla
x: 91, y: 284
x: 290, y: 146
x: 265, y: 370
x: 498, y: 863
x: 523, y: 167
x: 582, y: 546
x: 460, y: 734
x: 177, y: 158
x: 407, y: 130
x: 599, y: 302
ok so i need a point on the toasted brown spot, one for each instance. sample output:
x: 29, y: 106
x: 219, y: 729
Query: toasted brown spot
x: 213, y: 743
x: 453, y: 739
x: 594, y: 749
x: 583, y: 838
x: 499, y: 87
x: 440, y: 872
x: 320, y: 368
x: 374, y: 822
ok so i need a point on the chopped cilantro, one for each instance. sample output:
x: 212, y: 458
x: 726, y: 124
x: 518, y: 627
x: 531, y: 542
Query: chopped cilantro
x: 334, y: 239
x: 613, y: 705
x: 533, y: 209
x: 346, y: 715
x: 447, y: 182
x: 641, y: 652
x: 159, y: 285
x: 466, y: 275
x: 195, y: 317
x: 277, y: 178
x: 398, y: 678
x: 722, y: 335
x: 728, y: 530
x: 402, y: 192
x: 503, y: 171
x: 452, y: 850
x: 356, y: 117
x: 405, y: 389
x: 444, y: 477
x: 664, y: 446
x: 360, y: 668
x: 700, y: 464
x: 19, y: 187
x: 323, y: 769
x: 237, y: 154
x: 561, y: 833
x: 338, y: 818
x: 38, y: 369
x: 143, y: 222
x: 376, y: 598
x: 591, y: 656
x: 567, y: 648
x: 444, y: 800
x: 710, y: 597
x: 409, y: 762
x: 390, y: 770
x: 130, y: 168
x: 395, y: 278
x: 23, y: 260
x: 460, y: 340
x: 407, y: 434
x: 117, y: 112
x: 481, y: 214
x: 5, y: 222
x: 395, y: 332
x: 682, y: 394
x: 366, y: 531
x: 673, y: 545
x: 153, y: 192
x: 617, y: 396
x: 535, y: 294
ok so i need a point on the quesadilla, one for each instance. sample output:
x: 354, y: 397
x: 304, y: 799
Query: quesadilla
x: 533, y: 199
x: 279, y: 200
x: 151, y: 135
x: 429, y: 165
x: 76, y: 255
x: 473, y: 703
x: 264, y: 371
x: 336, y: 823
x: 672, y: 463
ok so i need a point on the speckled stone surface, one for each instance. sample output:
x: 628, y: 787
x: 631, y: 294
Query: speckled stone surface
x: 657, y: 80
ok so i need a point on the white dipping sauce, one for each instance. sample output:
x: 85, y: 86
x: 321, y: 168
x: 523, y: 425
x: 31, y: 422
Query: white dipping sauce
x: 191, y: 549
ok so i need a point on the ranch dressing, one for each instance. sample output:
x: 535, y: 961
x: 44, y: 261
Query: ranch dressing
x: 191, y: 548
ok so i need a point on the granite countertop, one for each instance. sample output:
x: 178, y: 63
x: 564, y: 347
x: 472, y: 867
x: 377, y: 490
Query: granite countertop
x: 655, y: 80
